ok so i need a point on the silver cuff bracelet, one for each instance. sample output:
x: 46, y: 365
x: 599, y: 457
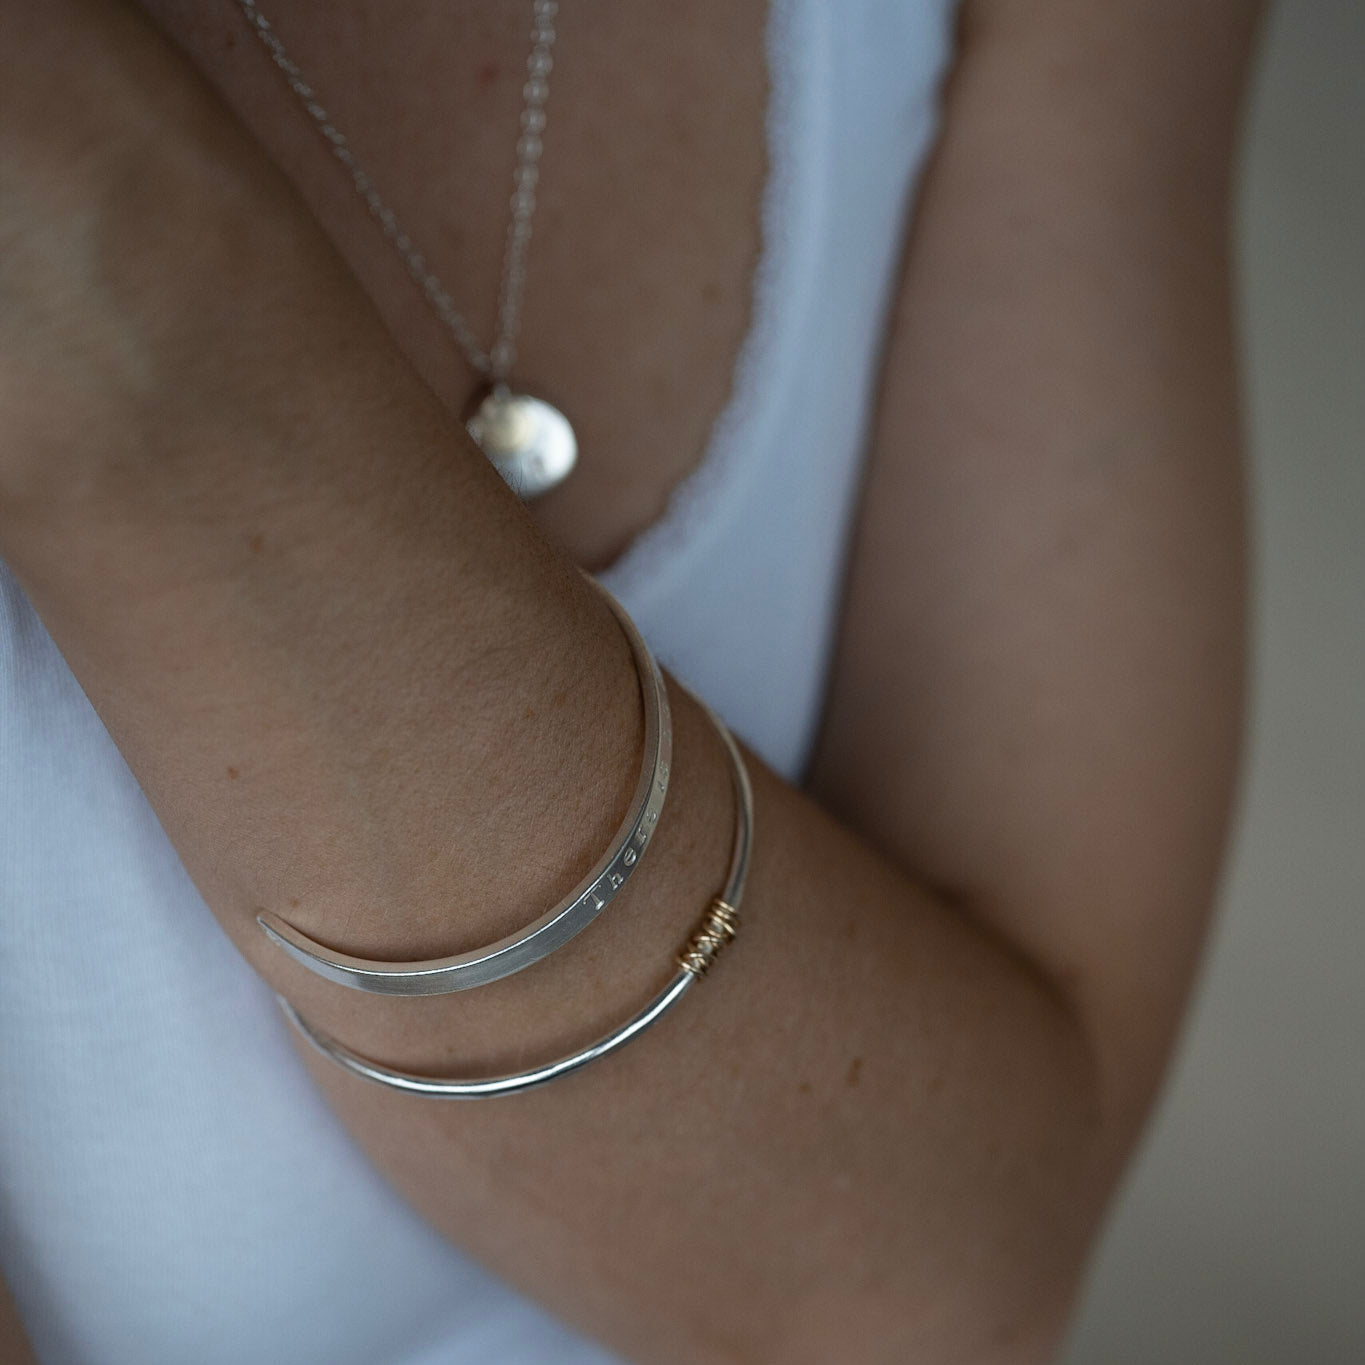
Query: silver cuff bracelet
x: 461, y: 971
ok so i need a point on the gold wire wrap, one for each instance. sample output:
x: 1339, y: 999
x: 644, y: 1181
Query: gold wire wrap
x: 718, y: 926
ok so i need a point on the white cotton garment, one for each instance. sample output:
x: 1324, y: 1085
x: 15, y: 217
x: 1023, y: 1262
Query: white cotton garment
x: 172, y: 1189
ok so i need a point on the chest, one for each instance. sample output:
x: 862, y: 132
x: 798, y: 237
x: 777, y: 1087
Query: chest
x: 645, y: 233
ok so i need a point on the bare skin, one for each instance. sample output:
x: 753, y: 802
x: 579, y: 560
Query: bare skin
x: 886, y: 1128
x: 14, y: 1347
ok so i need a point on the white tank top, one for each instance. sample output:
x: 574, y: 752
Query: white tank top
x: 172, y: 1190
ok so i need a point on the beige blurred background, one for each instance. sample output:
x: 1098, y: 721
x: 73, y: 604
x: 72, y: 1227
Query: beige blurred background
x: 1240, y: 1238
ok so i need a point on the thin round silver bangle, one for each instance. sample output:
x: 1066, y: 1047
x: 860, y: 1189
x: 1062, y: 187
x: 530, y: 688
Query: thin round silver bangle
x: 717, y: 928
x: 479, y: 966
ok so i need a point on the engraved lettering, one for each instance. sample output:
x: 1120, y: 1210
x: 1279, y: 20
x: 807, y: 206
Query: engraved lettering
x: 615, y: 878
x: 629, y: 858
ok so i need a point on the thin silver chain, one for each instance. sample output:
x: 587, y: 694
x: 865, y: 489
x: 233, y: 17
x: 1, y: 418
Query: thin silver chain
x: 497, y: 362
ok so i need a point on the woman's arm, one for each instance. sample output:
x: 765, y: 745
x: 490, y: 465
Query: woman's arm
x: 1037, y: 705
x: 361, y: 690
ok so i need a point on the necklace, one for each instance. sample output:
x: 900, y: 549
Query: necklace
x: 529, y: 441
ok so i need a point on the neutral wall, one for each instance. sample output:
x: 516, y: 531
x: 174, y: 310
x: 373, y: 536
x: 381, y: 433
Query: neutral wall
x: 1240, y: 1239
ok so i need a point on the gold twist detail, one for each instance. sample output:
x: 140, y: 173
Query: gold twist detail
x: 718, y: 926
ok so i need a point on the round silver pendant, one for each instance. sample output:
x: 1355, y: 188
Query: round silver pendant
x: 529, y: 441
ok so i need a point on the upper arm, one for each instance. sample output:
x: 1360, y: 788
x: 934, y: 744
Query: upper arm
x: 1036, y: 703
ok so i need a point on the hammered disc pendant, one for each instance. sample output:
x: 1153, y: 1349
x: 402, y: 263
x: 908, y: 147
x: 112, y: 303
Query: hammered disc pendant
x: 528, y: 441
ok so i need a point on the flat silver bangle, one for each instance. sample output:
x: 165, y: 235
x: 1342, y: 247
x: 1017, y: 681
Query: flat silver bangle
x: 461, y: 971
x: 717, y: 928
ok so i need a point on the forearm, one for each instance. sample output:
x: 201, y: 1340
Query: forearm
x: 367, y: 696
x: 869, y: 1112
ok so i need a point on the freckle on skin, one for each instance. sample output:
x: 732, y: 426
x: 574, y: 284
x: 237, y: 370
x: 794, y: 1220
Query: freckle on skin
x: 855, y: 1072
x: 486, y: 74
x: 293, y: 902
x: 804, y: 1088
x: 233, y: 774
x: 256, y: 544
